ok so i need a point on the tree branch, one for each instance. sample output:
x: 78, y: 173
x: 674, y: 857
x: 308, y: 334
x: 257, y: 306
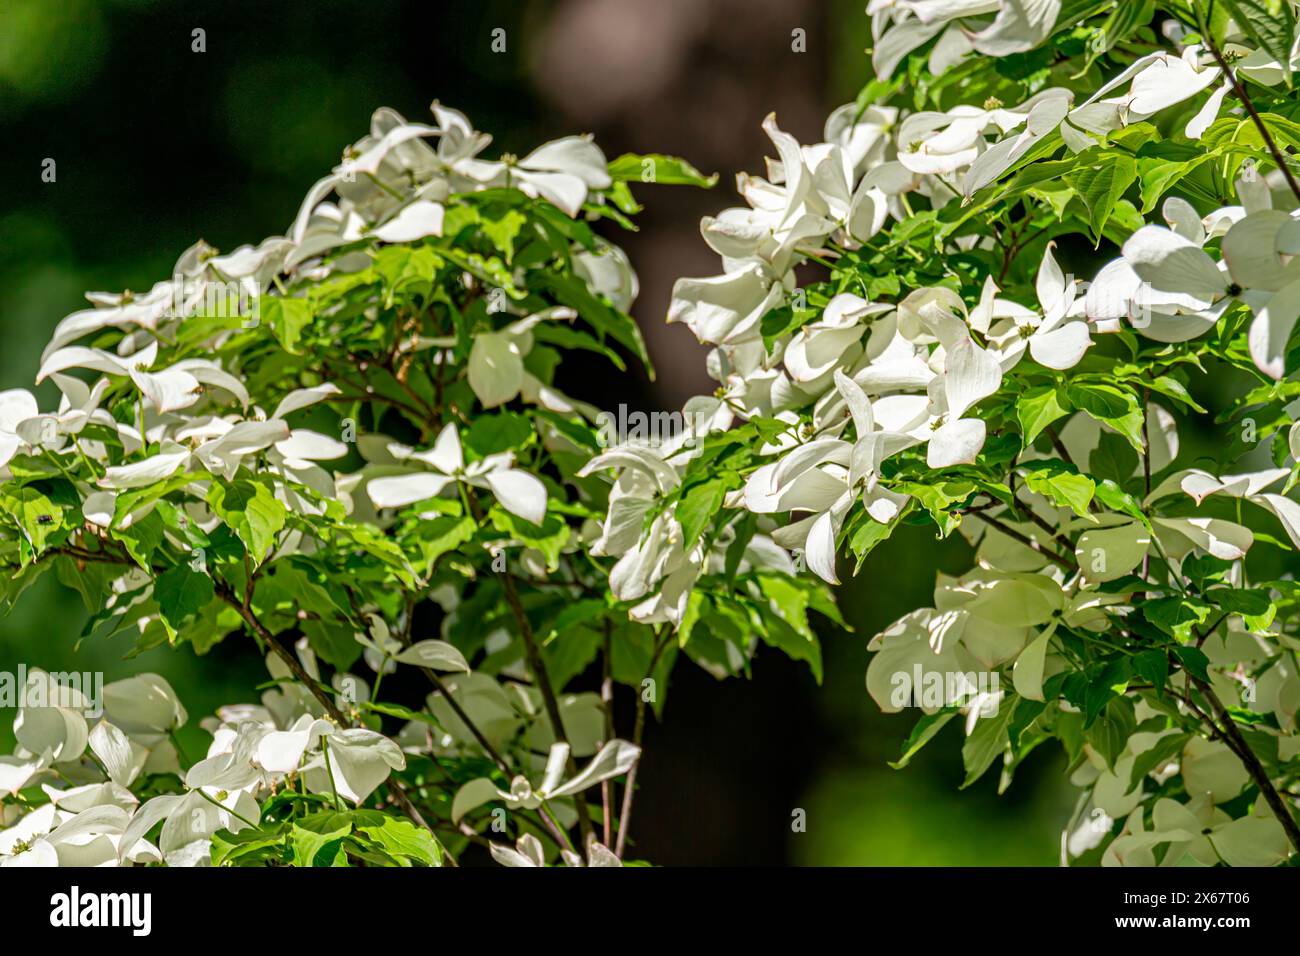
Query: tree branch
x: 542, y: 680
x: 638, y: 730
x: 1278, y: 156
x: 290, y: 660
x: 1028, y: 542
x: 1251, y: 763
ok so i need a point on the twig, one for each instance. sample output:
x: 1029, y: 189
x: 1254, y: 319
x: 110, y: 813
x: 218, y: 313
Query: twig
x: 395, y: 789
x: 607, y: 702
x: 542, y: 679
x: 1265, y: 135
x: 1044, y: 526
x: 1146, y: 467
x: 1059, y: 446
x: 1251, y: 763
x: 1028, y: 542
x: 638, y: 730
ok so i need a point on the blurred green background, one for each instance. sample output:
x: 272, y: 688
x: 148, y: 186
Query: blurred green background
x: 156, y: 145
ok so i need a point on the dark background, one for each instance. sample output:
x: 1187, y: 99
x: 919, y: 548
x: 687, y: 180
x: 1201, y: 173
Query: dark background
x: 156, y: 146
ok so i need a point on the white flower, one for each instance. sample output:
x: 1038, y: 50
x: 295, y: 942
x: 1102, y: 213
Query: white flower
x: 359, y: 760
x: 821, y: 345
x: 726, y: 308
x: 614, y: 758
x: 1043, y: 114
x: 1199, y: 485
x: 17, y: 405
x: 221, y: 455
x: 900, y: 26
x: 51, y: 719
x: 970, y: 373
x: 189, y: 821
x: 528, y: 853
x: 1058, y: 337
x: 1158, y: 81
x: 518, y: 492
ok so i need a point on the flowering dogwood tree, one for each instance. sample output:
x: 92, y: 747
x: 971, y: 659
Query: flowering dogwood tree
x: 346, y: 447
x: 899, y: 342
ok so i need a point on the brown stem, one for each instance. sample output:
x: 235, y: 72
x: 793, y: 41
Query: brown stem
x: 1028, y: 542
x: 548, y: 698
x: 629, y: 788
x: 1044, y: 526
x: 1251, y: 763
x: 556, y: 834
x: 464, y: 718
x: 607, y: 703
x: 542, y: 680
x: 638, y: 730
x: 1146, y: 467
x: 1278, y: 156
x: 290, y: 660
x: 1059, y: 446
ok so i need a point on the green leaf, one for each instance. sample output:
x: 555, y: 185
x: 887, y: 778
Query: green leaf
x: 1112, y: 406
x: 1127, y: 18
x: 440, y: 535
x: 405, y: 841
x: 1101, y: 186
x: 503, y: 231
x: 744, y: 528
x: 1063, y: 488
x: 249, y: 847
x: 180, y: 593
x: 498, y: 432
x: 869, y: 532
x: 657, y: 168
x: 1170, y: 386
x: 36, y: 515
x: 1165, y: 749
x: 567, y: 337
x: 1194, y: 661
x: 783, y: 320
x: 922, y: 733
x: 784, y: 621
x: 1113, y: 458
x: 1250, y: 602
x: 1177, y: 616
x: 286, y: 319
x: 407, y: 269
x: 576, y: 614
x: 317, y: 838
x: 1158, y: 174
x: 1027, y: 673
x: 697, y: 507
x: 938, y: 498
x: 142, y: 538
x: 1152, y: 665
x: 573, y: 292
x: 987, y: 741
x: 1116, y: 499
x: 251, y: 511
x: 1037, y: 408
x: 548, y: 538
x: 1111, y: 732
